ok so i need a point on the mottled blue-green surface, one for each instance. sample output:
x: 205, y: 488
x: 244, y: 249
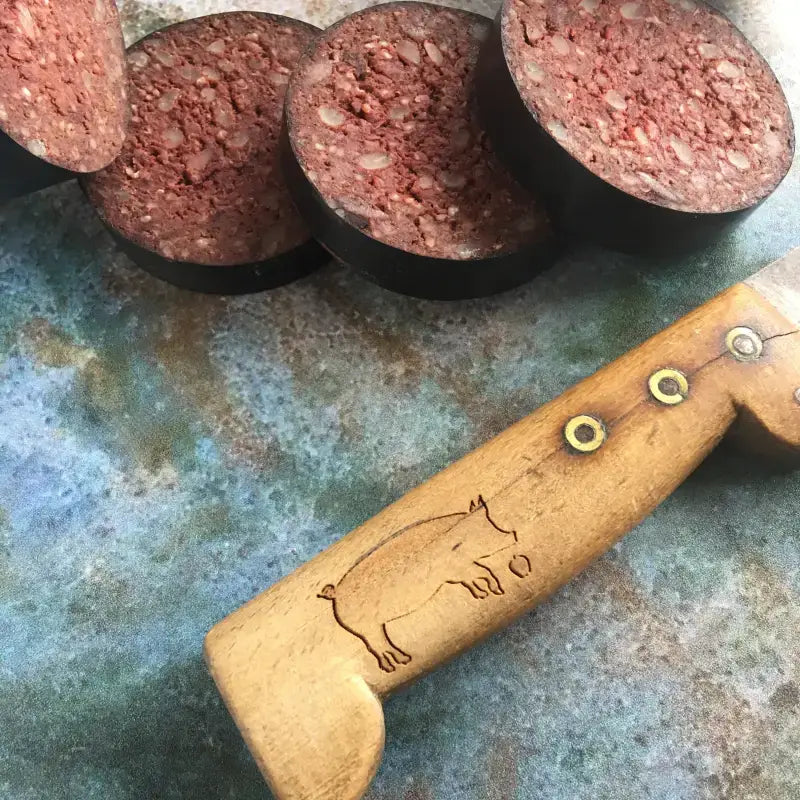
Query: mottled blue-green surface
x: 164, y: 456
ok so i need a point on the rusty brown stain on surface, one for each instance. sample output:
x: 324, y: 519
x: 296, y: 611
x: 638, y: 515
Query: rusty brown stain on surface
x: 182, y: 348
x: 51, y: 347
x: 501, y: 773
x: 401, y: 363
x: 201, y: 524
x: 737, y: 734
x: 103, y: 389
x: 769, y: 595
x: 786, y: 698
x: 102, y: 386
x: 657, y: 633
x: 418, y: 793
x: 391, y: 348
x: 717, y: 717
x: 182, y: 328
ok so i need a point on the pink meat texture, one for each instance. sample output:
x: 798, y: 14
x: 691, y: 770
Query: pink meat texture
x: 383, y: 124
x: 62, y: 80
x: 198, y: 179
x: 664, y: 99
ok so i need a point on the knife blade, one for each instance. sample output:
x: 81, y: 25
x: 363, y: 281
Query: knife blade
x: 304, y: 667
x: 779, y: 283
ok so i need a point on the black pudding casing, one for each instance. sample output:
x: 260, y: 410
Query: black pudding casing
x: 238, y: 279
x: 583, y: 205
x: 21, y: 172
x: 402, y: 271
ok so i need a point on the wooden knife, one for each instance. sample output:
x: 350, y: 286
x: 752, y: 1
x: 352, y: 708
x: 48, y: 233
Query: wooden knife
x: 304, y: 666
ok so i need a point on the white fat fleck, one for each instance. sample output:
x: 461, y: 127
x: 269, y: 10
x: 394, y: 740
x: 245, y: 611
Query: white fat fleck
x: 641, y: 137
x: 3, y: 114
x: 26, y: 92
x: 415, y: 32
x: 682, y: 150
x: 533, y: 32
x: 164, y: 58
x: 138, y: 59
x: 688, y: 5
x: 331, y: 116
x: 729, y: 70
x: 173, y: 137
x: 739, y: 160
x: 167, y: 100
x: 409, y: 51
x: 374, y: 161
x: 658, y: 188
x: 360, y: 208
x: 26, y: 22
x: 558, y: 130
x: 771, y: 139
x: 37, y: 147
x: 561, y: 45
x: 616, y: 100
x: 199, y: 161
x: 534, y: 71
x: 434, y: 53
x: 217, y: 47
x: 709, y: 50
x: 590, y: 5
x: 632, y: 11
x: 238, y: 139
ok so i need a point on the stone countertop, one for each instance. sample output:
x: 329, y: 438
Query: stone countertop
x: 164, y: 456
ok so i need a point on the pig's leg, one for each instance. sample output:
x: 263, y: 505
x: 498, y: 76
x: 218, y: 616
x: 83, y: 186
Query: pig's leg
x: 400, y: 656
x: 388, y: 655
x: 474, y: 588
x: 491, y: 579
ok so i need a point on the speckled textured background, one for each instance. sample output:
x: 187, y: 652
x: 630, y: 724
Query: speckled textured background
x: 164, y: 456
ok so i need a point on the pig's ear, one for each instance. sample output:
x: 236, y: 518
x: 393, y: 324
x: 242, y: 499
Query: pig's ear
x: 476, y: 504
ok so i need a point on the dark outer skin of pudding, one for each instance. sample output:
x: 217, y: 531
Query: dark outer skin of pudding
x: 62, y: 80
x: 198, y: 179
x: 664, y: 99
x: 383, y: 125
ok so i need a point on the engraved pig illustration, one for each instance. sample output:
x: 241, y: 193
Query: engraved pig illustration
x: 407, y: 569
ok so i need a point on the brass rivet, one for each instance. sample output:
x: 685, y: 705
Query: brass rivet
x: 585, y: 434
x: 744, y: 344
x: 669, y: 386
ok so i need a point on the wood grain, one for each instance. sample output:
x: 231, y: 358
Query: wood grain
x: 303, y: 667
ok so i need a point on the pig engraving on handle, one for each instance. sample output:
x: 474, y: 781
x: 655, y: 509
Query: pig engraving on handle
x: 405, y: 571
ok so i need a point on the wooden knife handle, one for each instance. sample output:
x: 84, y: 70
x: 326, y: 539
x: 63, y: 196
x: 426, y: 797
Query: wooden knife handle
x: 303, y: 666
